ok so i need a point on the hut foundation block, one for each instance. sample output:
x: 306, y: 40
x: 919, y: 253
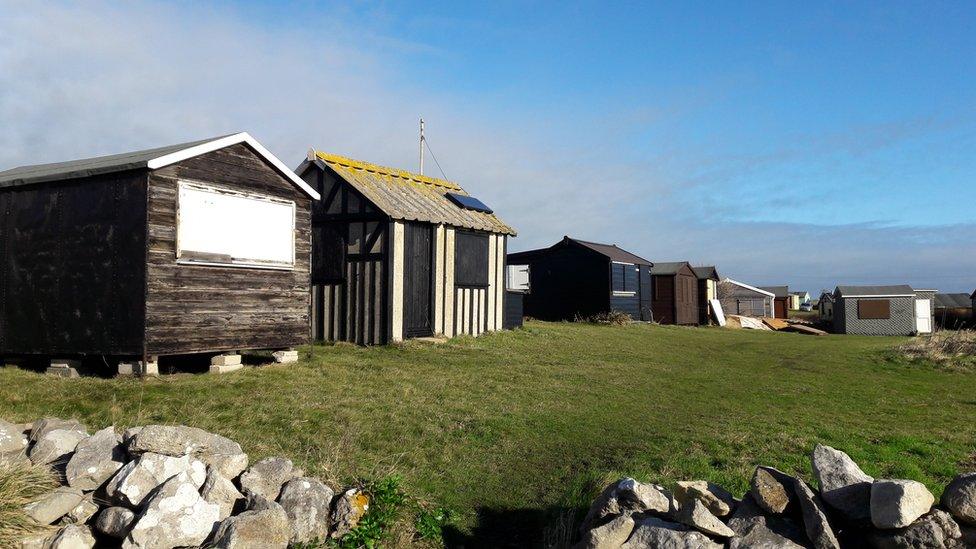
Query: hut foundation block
x: 289, y: 355
x: 135, y: 368
x: 226, y: 360
x: 63, y: 367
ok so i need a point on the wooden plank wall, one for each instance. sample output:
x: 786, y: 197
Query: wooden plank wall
x: 471, y: 311
x: 350, y: 311
x: 194, y: 308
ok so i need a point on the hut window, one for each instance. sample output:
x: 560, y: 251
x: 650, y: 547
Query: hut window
x: 624, y: 278
x: 873, y: 309
x: 471, y: 260
x: 223, y: 227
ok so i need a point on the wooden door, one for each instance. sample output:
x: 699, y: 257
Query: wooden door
x: 644, y: 292
x: 780, y: 305
x: 418, y: 272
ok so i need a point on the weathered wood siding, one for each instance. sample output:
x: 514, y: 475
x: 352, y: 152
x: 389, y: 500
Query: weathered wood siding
x: 72, y: 266
x: 566, y: 282
x: 193, y: 308
x: 513, y: 310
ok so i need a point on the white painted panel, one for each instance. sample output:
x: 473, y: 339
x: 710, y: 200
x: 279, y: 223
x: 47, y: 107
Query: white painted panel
x: 451, y: 300
x: 221, y: 227
x: 518, y: 278
x: 439, y: 296
x: 923, y: 316
x: 492, y: 283
x: 397, y: 286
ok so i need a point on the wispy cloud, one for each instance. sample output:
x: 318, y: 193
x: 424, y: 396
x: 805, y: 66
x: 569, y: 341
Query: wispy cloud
x: 98, y: 78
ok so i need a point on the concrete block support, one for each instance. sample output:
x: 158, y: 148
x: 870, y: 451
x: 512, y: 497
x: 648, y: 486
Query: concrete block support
x: 221, y: 364
x: 136, y: 368
x: 282, y: 357
x: 63, y: 367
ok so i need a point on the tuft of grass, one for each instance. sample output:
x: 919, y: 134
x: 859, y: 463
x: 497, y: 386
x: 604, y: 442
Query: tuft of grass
x: 20, y: 483
x: 611, y: 318
x: 950, y: 348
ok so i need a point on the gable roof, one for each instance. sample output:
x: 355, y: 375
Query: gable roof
x: 899, y: 290
x: 151, y: 159
x: 825, y: 295
x: 668, y: 267
x: 748, y: 287
x: 778, y: 291
x: 953, y: 301
x: 612, y: 251
x: 407, y: 196
x: 709, y: 272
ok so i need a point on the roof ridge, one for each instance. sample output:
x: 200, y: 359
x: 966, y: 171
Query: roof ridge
x: 387, y: 170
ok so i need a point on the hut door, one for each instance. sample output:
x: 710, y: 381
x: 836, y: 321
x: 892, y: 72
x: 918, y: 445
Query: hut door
x: 418, y: 256
x: 644, y: 292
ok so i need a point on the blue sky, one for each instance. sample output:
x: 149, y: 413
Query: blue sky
x: 799, y: 144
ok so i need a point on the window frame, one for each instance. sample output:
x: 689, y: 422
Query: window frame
x: 186, y: 257
x: 863, y: 314
x: 624, y: 292
x: 461, y: 235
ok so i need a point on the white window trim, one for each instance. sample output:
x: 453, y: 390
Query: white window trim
x: 624, y: 294
x: 233, y: 264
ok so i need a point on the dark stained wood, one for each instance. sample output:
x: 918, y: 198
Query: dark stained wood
x: 418, y: 281
x: 71, y: 266
x: 197, y: 308
x: 675, y: 298
x: 567, y: 282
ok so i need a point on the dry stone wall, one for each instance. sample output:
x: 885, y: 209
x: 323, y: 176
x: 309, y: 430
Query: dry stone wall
x: 163, y: 486
x: 850, y: 509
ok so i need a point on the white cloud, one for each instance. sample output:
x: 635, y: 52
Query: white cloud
x: 97, y: 78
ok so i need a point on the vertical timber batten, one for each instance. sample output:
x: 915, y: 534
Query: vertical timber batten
x: 396, y: 288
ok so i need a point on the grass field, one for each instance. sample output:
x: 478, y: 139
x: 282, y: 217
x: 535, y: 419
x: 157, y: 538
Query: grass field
x: 515, y: 429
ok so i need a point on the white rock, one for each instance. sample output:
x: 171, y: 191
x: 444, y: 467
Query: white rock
x: 653, y: 532
x: 179, y: 440
x: 307, y: 501
x: 696, y: 515
x: 55, y: 445
x: 44, y: 425
x: 959, y: 498
x: 220, y: 490
x: 54, y: 505
x: 84, y: 510
x: 265, y: 528
x: 12, y: 439
x: 266, y: 477
x: 72, y: 536
x: 175, y: 516
x: 898, y: 503
x: 608, y: 536
x: 115, y: 521
x: 95, y: 460
x: 843, y: 485
x: 136, y: 479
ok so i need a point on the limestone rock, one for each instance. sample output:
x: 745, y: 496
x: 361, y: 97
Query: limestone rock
x: 754, y: 530
x: 843, y: 485
x: 220, y: 490
x: 768, y: 491
x: 718, y: 501
x: 115, y: 522
x: 696, y: 515
x: 54, y: 505
x: 95, y: 460
x: 349, y: 509
x: 266, y: 528
x: 815, y: 522
x: 42, y: 426
x: 222, y: 453
x: 72, y: 536
x: 627, y: 496
x: 959, y: 498
x: 174, y: 516
x: 897, y: 503
x: 934, y: 530
x: 12, y: 439
x: 608, y: 536
x: 136, y: 479
x: 266, y: 477
x: 307, y: 501
x: 55, y: 445
x: 655, y: 532
x: 84, y: 510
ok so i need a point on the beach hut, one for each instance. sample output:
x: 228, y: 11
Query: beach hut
x: 675, y: 288
x: 738, y: 298
x: 578, y: 279
x: 708, y: 280
x: 400, y: 255
x: 782, y: 303
x: 189, y: 248
x: 882, y: 310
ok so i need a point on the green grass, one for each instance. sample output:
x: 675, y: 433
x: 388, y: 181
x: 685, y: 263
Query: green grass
x: 515, y: 429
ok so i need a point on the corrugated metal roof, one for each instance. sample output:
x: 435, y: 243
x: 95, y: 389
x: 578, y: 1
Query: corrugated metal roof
x: 612, y: 251
x: 411, y: 197
x: 953, y: 301
x: 85, y: 167
x: 709, y: 272
x: 860, y: 291
x: 778, y: 291
x: 668, y: 267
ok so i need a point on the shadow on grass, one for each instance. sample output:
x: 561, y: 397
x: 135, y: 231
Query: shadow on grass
x: 549, y: 528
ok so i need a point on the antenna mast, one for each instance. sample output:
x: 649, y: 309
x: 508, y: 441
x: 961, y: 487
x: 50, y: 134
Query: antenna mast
x: 421, y: 146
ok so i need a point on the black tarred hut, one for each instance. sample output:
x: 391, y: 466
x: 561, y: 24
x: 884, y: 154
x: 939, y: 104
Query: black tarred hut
x: 190, y: 248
